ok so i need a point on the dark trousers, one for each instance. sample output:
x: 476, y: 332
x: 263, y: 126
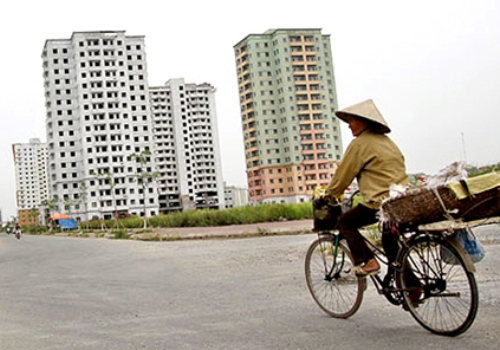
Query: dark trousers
x: 348, y: 225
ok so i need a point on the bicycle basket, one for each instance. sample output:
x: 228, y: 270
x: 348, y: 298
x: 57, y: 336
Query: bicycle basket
x: 422, y: 207
x: 325, y: 215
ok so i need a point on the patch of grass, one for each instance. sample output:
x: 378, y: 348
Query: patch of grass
x: 120, y: 234
x: 262, y: 231
x: 148, y: 230
x: 159, y: 238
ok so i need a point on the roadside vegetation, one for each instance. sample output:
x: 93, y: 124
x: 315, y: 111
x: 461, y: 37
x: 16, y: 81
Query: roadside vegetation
x: 476, y: 171
x: 194, y: 218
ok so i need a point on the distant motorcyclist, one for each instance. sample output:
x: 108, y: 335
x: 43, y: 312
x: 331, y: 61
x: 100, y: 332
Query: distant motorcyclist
x: 17, y: 231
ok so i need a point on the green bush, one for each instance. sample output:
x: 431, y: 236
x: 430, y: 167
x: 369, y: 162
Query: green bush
x: 231, y: 216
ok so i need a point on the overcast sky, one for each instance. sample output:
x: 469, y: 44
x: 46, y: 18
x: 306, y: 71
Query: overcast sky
x: 432, y: 67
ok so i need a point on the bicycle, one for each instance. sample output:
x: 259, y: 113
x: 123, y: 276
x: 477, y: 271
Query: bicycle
x: 447, y: 300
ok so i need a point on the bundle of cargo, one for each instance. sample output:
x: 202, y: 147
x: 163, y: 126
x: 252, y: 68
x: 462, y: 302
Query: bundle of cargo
x: 325, y: 214
x: 465, y: 200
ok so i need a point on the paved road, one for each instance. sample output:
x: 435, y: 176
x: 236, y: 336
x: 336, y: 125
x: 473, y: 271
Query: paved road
x: 249, y: 293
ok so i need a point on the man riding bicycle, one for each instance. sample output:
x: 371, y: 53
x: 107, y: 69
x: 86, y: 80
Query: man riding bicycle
x: 377, y: 163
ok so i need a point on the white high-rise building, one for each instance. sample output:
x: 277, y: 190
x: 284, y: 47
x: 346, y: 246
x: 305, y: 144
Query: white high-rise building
x: 97, y: 115
x: 187, y: 148
x: 30, y: 165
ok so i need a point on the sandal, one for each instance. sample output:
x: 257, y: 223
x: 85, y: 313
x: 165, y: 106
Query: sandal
x: 371, y: 267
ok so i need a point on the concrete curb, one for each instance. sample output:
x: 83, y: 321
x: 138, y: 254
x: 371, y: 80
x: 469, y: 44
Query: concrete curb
x: 489, y: 234
x: 230, y: 232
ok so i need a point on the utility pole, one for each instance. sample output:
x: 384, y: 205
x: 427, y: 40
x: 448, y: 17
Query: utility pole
x: 463, y: 148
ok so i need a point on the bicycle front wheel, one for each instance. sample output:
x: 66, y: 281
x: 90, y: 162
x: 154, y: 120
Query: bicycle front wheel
x: 333, y: 285
x: 438, y: 290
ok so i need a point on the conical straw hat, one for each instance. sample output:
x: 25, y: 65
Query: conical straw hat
x: 366, y: 110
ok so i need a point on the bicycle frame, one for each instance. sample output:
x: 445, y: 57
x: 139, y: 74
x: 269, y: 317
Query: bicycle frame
x: 386, y: 285
x: 329, y: 274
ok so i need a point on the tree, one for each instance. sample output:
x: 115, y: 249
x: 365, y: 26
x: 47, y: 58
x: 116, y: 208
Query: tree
x: 12, y: 222
x: 34, y: 214
x: 144, y: 178
x: 67, y: 204
x: 108, y: 179
x: 82, y: 198
x: 50, y: 206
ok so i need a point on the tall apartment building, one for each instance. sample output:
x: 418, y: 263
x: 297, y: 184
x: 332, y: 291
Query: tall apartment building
x: 187, y: 146
x: 288, y: 98
x: 30, y: 165
x: 97, y: 115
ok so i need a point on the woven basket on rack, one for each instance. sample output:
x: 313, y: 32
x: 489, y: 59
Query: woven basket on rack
x: 427, y: 206
x: 325, y: 217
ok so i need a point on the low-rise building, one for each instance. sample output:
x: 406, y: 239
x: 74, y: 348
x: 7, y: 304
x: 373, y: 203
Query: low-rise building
x: 235, y: 196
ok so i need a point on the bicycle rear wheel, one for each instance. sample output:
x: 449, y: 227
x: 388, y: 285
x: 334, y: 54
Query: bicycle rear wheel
x: 446, y: 302
x: 333, y: 285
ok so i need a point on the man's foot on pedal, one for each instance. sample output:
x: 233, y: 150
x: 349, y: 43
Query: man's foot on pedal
x: 371, y: 267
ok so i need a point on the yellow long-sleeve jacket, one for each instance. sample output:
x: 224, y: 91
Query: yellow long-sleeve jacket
x: 376, y: 162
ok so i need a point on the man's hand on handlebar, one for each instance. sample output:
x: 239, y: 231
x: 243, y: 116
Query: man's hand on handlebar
x: 333, y: 200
